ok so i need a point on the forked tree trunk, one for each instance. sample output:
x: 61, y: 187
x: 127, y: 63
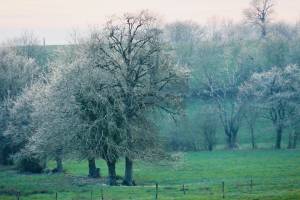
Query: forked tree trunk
x: 278, y: 137
x: 128, y: 179
x: 112, y: 177
x: 94, y: 172
x: 232, y: 140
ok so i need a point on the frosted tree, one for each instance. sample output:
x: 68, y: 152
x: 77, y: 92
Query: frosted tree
x: 16, y: 72
x: 276, y: 92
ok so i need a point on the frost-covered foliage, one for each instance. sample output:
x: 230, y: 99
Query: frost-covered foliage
x: 21, y: 128
x: 16, y: 72
x: 98, y: 105
x: 276, y: 92
x: 53, y: 117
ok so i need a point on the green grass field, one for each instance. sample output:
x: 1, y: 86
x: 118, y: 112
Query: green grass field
x: 275, y: 175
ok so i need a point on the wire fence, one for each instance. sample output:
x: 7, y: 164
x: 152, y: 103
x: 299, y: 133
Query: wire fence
x: 156, y: 191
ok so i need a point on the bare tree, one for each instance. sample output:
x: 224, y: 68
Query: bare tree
x: 132, y: 51
x: 259, y: 14
x: 224, y: 93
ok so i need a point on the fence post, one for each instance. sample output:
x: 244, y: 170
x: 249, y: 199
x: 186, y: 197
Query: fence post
x: 102, y: 196
x: 251, y: 184
x: 183, y: 189
x: 223, y: 189
x: 156, y: 191
x: 56, y: 195
x: 92, y: 195
x: 18, y: 195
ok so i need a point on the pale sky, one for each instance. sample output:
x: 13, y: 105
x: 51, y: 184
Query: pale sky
x: 55, y: 19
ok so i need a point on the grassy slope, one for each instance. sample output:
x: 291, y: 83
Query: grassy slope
x: 275, y: 175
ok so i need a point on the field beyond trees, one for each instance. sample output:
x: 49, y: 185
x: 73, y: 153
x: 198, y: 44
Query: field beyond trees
x: 274, y: 174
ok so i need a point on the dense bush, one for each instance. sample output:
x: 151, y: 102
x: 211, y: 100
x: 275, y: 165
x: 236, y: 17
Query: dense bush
x: 26, y: 162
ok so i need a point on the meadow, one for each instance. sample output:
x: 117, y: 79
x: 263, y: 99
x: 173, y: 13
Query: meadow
x: 247, y: 174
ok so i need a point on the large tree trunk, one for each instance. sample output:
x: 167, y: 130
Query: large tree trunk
x: 263, y: 31
x: 278, y: 137
x: 94, y: 172
x: 59, y: 165
x: 232, y: 140
x: 210, y: 146
x: 112, y: 177
x: 58, y: 159
x: 295, y: 140
x: 128, y: 179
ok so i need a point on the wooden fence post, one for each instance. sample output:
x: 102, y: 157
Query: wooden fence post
x: 183, y: 189
x: 92, y: 195
x: 251, y: 184
x: 18, y: 195
x: 223, y: 189
x: 56, y: 196
x: 156, y: 191
x: 102, y: 195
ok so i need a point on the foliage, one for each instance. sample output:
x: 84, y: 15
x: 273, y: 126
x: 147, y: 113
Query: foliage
x: 15, y: 73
